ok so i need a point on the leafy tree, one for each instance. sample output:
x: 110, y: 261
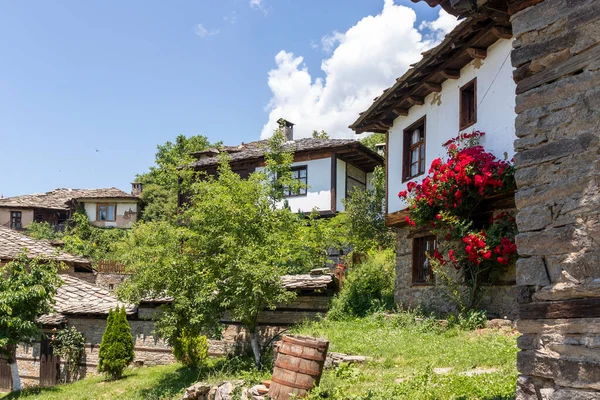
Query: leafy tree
x: 84, y: 239
x: 167, y: 178
x: 373, y: 139
x: 116, y: 349
x: 42, y: 231
x: 320, y: 135
x: 227, y: 257
x: 27, y: 291
x: 69, y: 344
x: 365, y: 216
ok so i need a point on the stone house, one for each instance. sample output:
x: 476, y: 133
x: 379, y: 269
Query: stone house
x: 462, y: 85
x: 330, y: 168
x: 109, y: 207
x: 556, y: 56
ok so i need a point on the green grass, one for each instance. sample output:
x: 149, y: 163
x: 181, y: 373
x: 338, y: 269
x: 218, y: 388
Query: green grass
x: 404, y: 354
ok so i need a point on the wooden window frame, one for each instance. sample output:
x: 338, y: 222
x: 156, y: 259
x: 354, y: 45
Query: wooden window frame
x: 348, y: 177
x: 287, y: 192
x: 12, y: 225
x: 461, y: 116
x: 418, y: 259
x: 98, y: 205
x: 408, y: 148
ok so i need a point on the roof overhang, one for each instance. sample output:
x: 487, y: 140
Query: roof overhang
x: 467, y: 42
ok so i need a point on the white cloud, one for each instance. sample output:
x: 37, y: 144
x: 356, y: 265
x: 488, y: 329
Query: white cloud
x: 201, y: 31
x: 365, y: 59
x: 259, y: 5
x: 439, y: 27
x: 328, y: 42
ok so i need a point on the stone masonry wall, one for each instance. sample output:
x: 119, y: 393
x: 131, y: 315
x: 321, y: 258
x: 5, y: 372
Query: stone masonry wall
x: 499, y: 301
x: 557, y: 59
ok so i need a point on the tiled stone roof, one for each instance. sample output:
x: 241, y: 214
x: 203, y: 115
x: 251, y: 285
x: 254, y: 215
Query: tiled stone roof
x: 52, y: 319
x: 76, y: 296
x: 12, y: 243
x: 59, y: 199
x: 256, y: 150
x: 307, y: 281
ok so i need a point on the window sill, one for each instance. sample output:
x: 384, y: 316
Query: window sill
x: 470, y: 124
x: 422, y: 285
x: 412, y: 177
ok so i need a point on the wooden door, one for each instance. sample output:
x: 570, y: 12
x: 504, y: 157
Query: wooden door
x: 49, y: 364
x: 5, y: 376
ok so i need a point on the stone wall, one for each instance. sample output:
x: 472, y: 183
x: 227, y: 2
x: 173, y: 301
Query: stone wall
x: 557, y: 56
x: 500, y: 301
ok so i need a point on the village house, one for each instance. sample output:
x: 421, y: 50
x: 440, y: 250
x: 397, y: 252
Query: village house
x: 330, y: 168
x: 462, y: 85
x: 109, y: 207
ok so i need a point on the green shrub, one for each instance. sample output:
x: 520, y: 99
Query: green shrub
x: 42, y: 230
x: 190, y: 349
x: 468, y: 320
x: 116, y: 348
x: 69, y: 344
x: 369, y: 287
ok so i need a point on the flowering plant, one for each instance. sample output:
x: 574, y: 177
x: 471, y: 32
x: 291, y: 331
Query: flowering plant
x: 444, y: 202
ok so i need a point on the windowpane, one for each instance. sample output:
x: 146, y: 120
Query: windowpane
x: 102, y: 213
x: 468, y: 104
x: 111, y: 212
x: 422, y: 273
x: 414, y: 151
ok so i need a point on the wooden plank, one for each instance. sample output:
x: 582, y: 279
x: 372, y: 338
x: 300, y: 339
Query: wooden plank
x: 415, y: 100
x: 450, y: 73
x: 399, y: 111
x: 475, y: 52
x: 396, y: 218
x: 433, y: 87
x: 502, y: 32
x: 573, y: 64
x: 333, y: 193
x: 579, y: 308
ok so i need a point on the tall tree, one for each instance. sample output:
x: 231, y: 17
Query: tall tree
x: 228, y: 257
x: 168, y: 176
x: 373, y: 140
x: 27, y: 291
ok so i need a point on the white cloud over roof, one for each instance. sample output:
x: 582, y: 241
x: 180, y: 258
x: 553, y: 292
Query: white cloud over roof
x: 364, y: 60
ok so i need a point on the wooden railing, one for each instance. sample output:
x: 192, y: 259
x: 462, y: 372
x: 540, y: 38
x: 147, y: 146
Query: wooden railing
x: 111, y: 267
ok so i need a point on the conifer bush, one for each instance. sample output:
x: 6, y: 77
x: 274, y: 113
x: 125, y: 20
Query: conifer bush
x: 191, y: 349
x: 116, y: 348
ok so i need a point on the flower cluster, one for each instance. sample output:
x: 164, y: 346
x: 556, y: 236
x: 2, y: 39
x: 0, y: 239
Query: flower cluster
x: 468, y: 176
x: 444, y: 200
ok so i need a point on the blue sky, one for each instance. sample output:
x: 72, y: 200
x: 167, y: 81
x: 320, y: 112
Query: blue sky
x: 89, y: 88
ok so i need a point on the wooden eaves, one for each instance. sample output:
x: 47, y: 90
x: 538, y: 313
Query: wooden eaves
x: 468, y: 41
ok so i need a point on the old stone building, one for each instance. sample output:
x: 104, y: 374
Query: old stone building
x: 556, y: 56
x: 452, y: 90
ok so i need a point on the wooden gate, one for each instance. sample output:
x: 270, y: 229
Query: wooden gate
x: 49, y: 370
x: 5, y: 376
x: 49, y: 364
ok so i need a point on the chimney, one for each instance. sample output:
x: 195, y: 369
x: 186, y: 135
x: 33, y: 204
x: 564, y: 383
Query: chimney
x: 288, y: 129
x: 136, y: 188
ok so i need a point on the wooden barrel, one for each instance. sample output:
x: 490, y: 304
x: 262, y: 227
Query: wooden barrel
x: 298, y: 367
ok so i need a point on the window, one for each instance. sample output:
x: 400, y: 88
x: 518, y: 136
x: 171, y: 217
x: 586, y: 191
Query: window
x: 15, y: 220
x: 468, y: 104
x: 414, y: 151
x: 422, y: 273
x: 355, y: 179
x: 106, y: 211
x: 299, y: 174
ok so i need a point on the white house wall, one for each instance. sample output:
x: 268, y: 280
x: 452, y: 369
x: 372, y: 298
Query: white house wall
x: 495, y: 116
x: 126, y: 214
x: 340, y: 187
x: 318, y: 194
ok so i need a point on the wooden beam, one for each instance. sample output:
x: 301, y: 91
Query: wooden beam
x: 399, y: 111
x: 519, y: 5
x: 397, y: 218
x: 333, y: 193
x: 475, y: 52
x: 502, y: 32
x: 433, y: 87
x: 415, y: 100
x: 579, y: 308
x: 450, y: 73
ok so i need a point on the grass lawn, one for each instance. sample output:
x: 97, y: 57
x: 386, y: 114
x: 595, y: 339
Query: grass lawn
x: 408, y: 361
